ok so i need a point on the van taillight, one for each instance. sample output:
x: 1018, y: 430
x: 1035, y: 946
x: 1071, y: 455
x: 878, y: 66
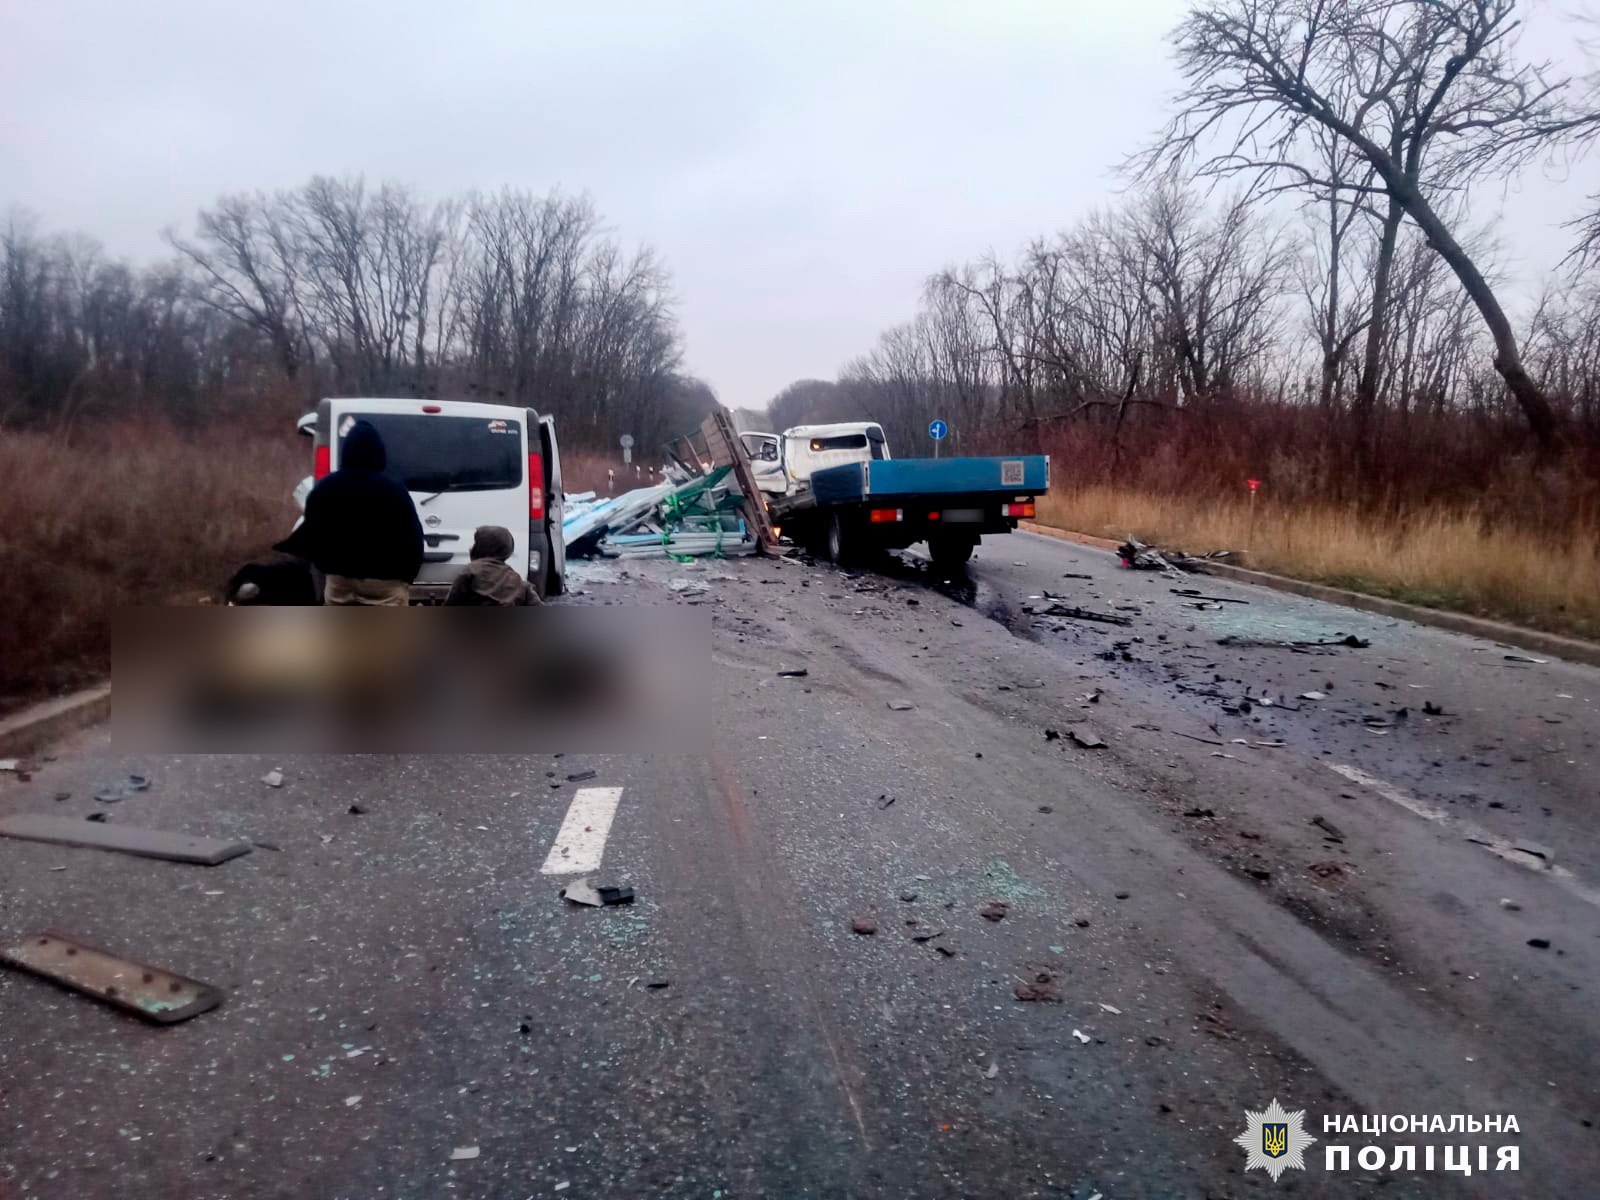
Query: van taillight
x: 535, y: 487
x: 321, y: 461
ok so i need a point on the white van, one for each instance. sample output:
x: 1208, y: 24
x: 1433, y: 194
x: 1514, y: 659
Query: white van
x: 465, y: 464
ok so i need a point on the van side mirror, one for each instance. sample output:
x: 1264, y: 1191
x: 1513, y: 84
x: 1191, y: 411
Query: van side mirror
x: 306, y: 426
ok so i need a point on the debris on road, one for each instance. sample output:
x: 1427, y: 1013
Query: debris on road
x: 1350, y: 641
x: 865, y: 926
x: 273, y: 779
x: 10, y: 764
x: 1199, y: 813
x: 1074, y: 613
x: 1429, y: 708
x: 1539, y: 943
x: 129, y: 839
x: 1194, y: 594
x: 1524, y: 658
x: 1110, y: 1008
x: 1313, y: 695
x: 462, y: 1153
x: 901, y: 706
x: 1086, y: 737
x: 794, y: 673
x: 115, y: 793
x: 1195, y: 737
x: 149, y: 992
x: 582, y: 891
x: 1082, y: 1036
x: 1136, y: 556
x: 356, y: 810
x: 1041, y: 989
x: 581, y: 776
x: 1328, y: 828
x: 994, y: 910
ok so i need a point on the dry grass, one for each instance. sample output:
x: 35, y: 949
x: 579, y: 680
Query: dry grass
x: 1438, y: 557
x: 124, y: 514
x: 584, y: 471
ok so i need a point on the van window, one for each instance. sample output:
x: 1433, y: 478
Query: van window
x: 448, y: 454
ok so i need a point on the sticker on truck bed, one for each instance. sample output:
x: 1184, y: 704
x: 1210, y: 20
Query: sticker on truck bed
x: 1010, y: 472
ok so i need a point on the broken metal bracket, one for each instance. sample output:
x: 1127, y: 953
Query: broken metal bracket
x: 149, y: 992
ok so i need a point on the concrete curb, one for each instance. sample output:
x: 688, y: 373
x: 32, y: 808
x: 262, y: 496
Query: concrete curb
x: 33, y: 728
x: 1553, y: 644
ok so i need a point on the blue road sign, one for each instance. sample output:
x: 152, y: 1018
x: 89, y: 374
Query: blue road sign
x: 937, y: 430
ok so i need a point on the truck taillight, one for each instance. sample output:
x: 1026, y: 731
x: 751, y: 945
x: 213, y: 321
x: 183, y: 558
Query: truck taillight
x: 881, y: 516
x: 321, y: 461
x: 1017, y: 510
x: 535, y: 486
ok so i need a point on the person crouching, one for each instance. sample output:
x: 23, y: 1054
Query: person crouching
x: 488, y: 578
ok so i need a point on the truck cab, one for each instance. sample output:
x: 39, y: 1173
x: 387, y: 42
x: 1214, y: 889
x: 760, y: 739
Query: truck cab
x: 807, y: 449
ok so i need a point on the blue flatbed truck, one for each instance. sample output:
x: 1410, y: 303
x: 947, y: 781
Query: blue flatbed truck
x: 850, y: 510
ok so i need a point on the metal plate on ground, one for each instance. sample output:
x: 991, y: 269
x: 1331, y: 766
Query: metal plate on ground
x: 146, y: 991
x: 129, y: 839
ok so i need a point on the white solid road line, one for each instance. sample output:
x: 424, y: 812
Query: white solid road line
x: 1491, y: 842
x: 582, y: 840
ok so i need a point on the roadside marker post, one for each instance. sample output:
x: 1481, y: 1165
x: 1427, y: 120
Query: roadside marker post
x: 1250, y: 525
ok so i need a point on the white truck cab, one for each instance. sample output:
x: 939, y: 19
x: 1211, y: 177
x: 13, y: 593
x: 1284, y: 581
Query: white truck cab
x: 808, y: 448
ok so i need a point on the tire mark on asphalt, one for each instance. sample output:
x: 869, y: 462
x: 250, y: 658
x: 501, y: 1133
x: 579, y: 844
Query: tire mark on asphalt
x: 738, y: 819
x: 1492, y: 842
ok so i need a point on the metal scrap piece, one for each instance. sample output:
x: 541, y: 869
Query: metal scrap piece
x: 150, y: 992
x: 129, y: 839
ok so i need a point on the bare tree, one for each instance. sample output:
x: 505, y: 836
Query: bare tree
x: 1424, y: 90
x: 249, y: 268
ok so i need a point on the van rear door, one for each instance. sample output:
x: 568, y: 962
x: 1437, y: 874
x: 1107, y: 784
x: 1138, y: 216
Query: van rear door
x: 555, y: 509
x: 464, y: 466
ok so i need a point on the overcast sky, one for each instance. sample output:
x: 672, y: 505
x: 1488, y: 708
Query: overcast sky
x: 802, y: 167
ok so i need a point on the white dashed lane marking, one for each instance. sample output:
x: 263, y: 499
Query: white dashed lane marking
x: 582, y: 841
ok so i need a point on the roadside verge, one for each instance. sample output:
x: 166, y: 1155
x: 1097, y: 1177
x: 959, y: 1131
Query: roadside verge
x: 1553, y: 644
x: 24, y: 732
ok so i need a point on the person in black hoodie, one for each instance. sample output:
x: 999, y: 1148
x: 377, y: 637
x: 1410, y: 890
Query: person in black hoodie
x: 361, y: 528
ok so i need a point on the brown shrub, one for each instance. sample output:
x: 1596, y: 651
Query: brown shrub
x: 125, y: 513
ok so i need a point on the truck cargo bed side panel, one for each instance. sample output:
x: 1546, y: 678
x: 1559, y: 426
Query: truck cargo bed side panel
x: 904, y: 477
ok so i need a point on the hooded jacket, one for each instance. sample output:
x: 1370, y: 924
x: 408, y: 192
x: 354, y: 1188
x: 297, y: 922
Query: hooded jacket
x: 360, y: 523
x: 487, y: 579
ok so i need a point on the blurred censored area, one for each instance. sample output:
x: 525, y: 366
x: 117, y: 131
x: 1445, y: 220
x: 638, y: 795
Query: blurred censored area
x: 236, y: 680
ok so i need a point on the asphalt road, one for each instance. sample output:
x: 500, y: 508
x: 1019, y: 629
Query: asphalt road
x: 403, y: 982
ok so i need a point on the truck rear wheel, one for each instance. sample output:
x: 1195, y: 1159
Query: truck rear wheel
x: 838, y: 548
x: 950, y: 552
